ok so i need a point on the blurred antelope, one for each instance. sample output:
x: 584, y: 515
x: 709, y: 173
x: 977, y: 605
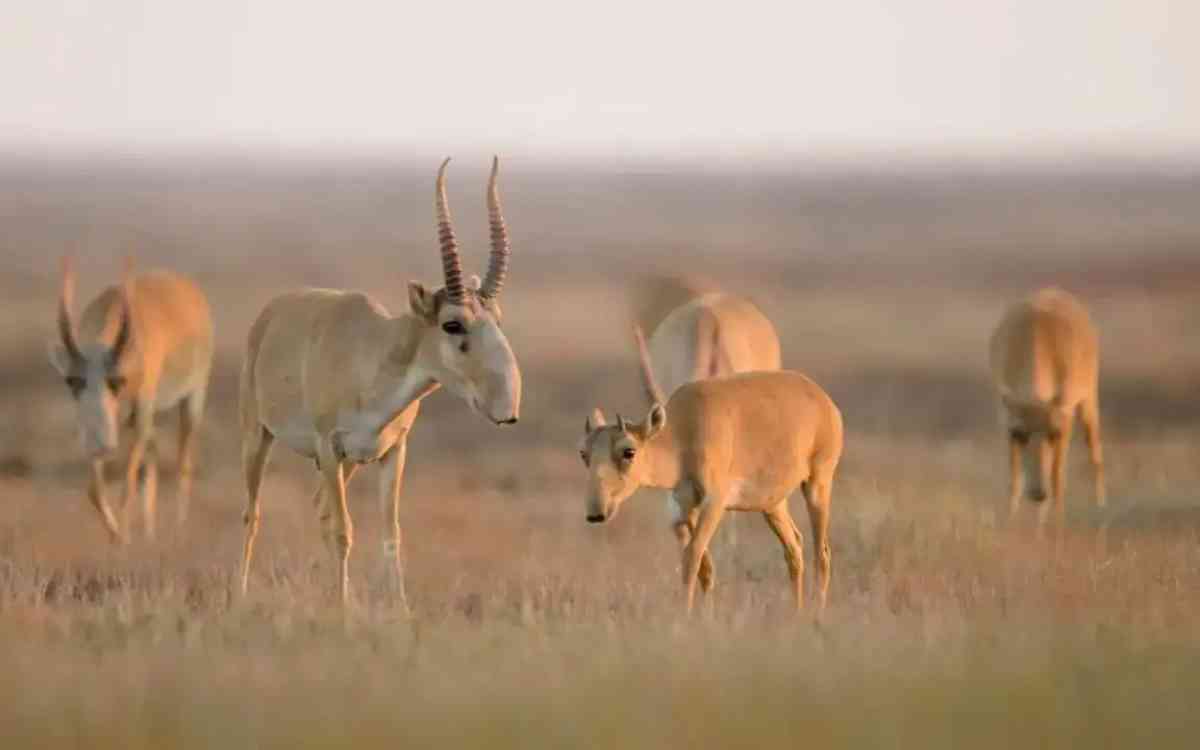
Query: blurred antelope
x: 743, y: 442
x: 336, y: 378
x: 1044, y: 361
x: 710, y: 336
x: 147, y: 342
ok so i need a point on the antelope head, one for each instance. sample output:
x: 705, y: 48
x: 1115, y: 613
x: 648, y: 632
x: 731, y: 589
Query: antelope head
x: 93, y: 371
x: 472, y: 356
x: 613, y: 455
x: 1037, y: 428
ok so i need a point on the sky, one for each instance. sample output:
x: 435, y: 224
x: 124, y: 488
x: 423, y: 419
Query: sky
x: 735, y: 79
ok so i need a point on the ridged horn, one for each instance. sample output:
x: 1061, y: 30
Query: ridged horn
x: 66, y: 301
x: 653, y: 391
x: 498, y: 259
x: 451, y: 265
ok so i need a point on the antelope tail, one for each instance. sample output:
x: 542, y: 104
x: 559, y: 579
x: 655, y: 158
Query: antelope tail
x: 653, y: 392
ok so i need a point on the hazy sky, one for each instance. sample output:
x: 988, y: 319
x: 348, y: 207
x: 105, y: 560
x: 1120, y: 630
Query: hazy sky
x: 616, y: 76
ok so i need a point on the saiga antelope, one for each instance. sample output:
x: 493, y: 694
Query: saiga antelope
x: 1045, y: 366
x: 711, y: 335
x: 147, y: 342
x: 743, y: 442
x: 336, y: 378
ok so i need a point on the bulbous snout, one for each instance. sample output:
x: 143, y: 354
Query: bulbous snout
x: 501, y: 401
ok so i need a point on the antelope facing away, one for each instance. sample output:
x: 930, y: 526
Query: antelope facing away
x: 147, y: 342
x: 1044, y: 361
x: 743, y: 442
x: 712, y: 335
x: 336, y: 378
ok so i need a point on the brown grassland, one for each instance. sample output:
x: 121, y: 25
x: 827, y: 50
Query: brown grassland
x: 946, y: 627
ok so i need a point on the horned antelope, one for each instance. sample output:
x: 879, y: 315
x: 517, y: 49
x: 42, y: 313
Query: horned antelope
x: 148, y: 343
x: 336, y: 378
x: 710, y: 335
x: 1045, y: 366
x: 743, y: 442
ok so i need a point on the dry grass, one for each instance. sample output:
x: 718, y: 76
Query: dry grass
x: 945, y: 629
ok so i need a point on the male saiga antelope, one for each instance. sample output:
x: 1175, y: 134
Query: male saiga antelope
x: 711, y: 335
x: 1045, y: 365
x: 743, y: 442
x: 147, y: 342
x: 336, y: 378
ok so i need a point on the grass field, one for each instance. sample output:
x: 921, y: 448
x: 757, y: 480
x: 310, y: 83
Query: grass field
x: 530, y: 628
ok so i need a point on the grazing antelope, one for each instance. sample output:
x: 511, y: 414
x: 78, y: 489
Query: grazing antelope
x: 743, y: 442
x: 1044, y: 361
x: 147, y: 342
x: 336, y: 378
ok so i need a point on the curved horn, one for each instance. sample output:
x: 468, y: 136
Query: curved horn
x: 653, y: 391
x: 451, y: 265
x: 125, y: 292
x: 498, y: 260
x: 66, y: 300
x: 621, y: 424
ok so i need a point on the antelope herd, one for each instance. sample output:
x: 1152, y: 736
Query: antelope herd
x: 336, y: 378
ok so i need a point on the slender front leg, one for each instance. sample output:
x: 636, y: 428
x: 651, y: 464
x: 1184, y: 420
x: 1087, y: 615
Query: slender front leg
x: 144, y: 431
x: 707, y: 575
x: 190, y: 412
x: 96, y: 496
x: 1014, y: 472
x: 1058, y: 484
x: 1089, y: 414
x: 148, y: 487
x: 706, y: 525
x: 333, y: 484
x: 256, y: 448
x: 779, y: 519
x: 391, y: 478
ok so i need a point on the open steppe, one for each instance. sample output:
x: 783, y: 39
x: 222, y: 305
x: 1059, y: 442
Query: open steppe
x: 946, y: 627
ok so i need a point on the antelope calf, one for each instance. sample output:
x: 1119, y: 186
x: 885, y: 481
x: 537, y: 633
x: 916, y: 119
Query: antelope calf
x: 1045, y: 366
x: 336, y: 378
x: 147, y: 343
x: 743, y: 442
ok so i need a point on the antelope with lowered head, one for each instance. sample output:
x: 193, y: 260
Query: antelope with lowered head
x: 335, y: 378
x: 743, y: 442
x: 148, y: 343
x: 1045, y: 366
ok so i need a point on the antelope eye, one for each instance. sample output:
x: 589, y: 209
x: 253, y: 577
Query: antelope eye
x: 628, y: 454
x: 116, y: 383
x: 454, y: 328
x: 75, y: 383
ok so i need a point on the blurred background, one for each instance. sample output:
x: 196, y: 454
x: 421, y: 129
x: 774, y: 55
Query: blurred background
x: 882, y: 178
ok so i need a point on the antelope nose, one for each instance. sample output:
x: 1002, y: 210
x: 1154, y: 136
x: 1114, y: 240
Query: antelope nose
x: 1036, y: 495
x: 510, y: 420
x: 595, y: 518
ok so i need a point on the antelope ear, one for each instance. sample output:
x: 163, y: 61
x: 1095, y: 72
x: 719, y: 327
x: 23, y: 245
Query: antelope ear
x: 422, y: 302
x: 60, y: 360
x: 655, y: 420
x: 594, y: 422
